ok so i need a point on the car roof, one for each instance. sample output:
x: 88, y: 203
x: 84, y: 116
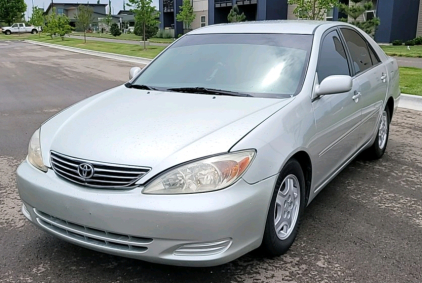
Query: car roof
x: 281, y: 26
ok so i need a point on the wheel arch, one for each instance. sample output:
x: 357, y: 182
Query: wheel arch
x: 390, y: 105
x: 305, y: 162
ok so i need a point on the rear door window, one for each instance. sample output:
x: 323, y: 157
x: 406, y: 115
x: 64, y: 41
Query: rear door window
x: 359, y: 50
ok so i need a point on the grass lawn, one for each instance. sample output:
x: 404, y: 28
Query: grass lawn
x: 18, y: 36
x: 118, y: 48
x: 411, y: 80
x: 415, y: 51
x: 125, y: 37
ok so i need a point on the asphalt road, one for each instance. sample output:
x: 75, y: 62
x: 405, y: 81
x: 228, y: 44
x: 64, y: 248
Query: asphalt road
x: 365, y: 226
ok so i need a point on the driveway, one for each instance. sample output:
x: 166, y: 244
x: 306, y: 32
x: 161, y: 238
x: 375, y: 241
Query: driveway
x: 365, y: 226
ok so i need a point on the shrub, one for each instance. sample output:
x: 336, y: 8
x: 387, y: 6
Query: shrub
x: 418, y: 40
x: 150, y: 31
x: 167, y: 34
x: 114, y: 30
x: 159, y: 34
x: 410, y: 42
x: 397, y: 42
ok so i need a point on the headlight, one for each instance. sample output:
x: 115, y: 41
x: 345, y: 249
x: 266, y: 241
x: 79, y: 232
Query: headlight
x: 34, y: 152
x: 206, y: 175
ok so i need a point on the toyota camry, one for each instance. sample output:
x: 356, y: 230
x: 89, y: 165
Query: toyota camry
x: 216, y: 147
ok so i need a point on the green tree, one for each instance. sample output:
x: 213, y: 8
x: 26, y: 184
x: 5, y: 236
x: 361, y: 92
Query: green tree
x: 115, y: 30
x: 356, y: 10
x: 312, y: 9
x: 150, y: 31
x: 11, y: 10
x: 57, y: 25
x: 186, y: 14
x: 145, y: 14
x: 84, y: 18
x: 235, y: 15
x: 37, y: 18
x: 106, y: 21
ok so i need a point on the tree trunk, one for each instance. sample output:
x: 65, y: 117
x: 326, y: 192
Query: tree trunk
x: 313, y: 10
x: 144, y: 37
x: 85, y: 36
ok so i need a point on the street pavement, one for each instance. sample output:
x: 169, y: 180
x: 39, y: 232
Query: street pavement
x: 365, y: 226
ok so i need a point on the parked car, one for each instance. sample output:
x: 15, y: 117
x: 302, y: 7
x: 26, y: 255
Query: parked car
x: 216, y: 147
x: 21, y: 28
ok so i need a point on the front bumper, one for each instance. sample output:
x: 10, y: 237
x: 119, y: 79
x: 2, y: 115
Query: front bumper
x: 203, y: 229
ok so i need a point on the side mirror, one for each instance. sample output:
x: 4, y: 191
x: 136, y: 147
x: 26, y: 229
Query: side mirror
x: 333, y: 85
x: 133, y: 72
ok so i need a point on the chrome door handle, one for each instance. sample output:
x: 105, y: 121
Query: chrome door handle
x: 383, y: 77
x: 356, y: 96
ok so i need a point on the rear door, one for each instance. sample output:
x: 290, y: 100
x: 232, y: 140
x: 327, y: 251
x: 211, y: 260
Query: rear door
x: 371, y: 76
x: 337, y: 116
x: 21, y: 28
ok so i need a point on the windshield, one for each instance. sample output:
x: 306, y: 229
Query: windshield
x: 262, y: 65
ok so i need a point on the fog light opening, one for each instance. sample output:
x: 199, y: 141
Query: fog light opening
x: 204, y: 249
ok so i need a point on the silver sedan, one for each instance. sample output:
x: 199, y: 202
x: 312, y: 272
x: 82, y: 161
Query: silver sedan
x: 216, y: 147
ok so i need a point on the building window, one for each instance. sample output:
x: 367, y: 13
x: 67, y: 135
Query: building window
x: 203, y: 21
x: 329, y: 15
x: 60, y: 11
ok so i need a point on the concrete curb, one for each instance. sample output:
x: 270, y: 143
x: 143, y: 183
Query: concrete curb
x: 126, y: 58
x: 413, y: 102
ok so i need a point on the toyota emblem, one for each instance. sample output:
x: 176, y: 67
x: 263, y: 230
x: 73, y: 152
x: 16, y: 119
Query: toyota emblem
x: 85, y: 170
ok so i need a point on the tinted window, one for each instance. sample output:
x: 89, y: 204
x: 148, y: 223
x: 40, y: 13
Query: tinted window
x: 332, y: 58
x: 358, y: 50
x: 374, y: 57
x: 264, y: 65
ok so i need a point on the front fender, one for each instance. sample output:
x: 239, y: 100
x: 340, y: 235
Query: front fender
x: 278, y: 138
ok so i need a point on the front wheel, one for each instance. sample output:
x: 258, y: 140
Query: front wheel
x: 8, y: 32
x: 286, y: 208
x: 377, y: 150
x: 34, y: 31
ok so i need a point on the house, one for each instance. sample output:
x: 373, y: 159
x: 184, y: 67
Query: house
x: 127, y: 19
x: 170, y: 8
x: 71, y: 9
x: 400, y: 19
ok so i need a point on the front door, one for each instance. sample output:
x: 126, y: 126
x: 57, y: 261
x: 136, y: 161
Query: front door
x: 337, y: 116
x: 14, y: 28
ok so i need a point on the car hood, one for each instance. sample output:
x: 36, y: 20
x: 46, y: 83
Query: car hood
x: 151, y: 128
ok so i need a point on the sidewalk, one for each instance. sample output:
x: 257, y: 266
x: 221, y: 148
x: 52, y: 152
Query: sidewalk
x: 409, y: 62
x: 133, y: 42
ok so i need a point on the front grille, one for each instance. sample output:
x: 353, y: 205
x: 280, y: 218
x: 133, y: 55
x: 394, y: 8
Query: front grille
x: 94, y: 237
x: 105, y: 175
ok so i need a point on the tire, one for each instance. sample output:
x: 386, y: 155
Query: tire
x: 377, y: 150
x: 8, y: 32
x: 277, y: 243
x: 34, y: 31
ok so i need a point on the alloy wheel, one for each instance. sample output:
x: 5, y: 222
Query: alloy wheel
x: 287, y: 207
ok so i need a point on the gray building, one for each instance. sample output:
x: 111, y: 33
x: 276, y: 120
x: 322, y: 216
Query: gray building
x: 400, y: 19
x: 71, y: 9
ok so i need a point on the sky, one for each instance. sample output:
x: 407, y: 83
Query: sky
x: 116, y: 5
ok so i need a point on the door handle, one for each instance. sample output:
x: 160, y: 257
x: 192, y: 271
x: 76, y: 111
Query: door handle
x: 384, y: 78
x: 356, y: 96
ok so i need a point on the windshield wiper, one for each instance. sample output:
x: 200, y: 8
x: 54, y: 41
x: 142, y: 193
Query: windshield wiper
x: 203, y: 90
x: 129, y: 85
